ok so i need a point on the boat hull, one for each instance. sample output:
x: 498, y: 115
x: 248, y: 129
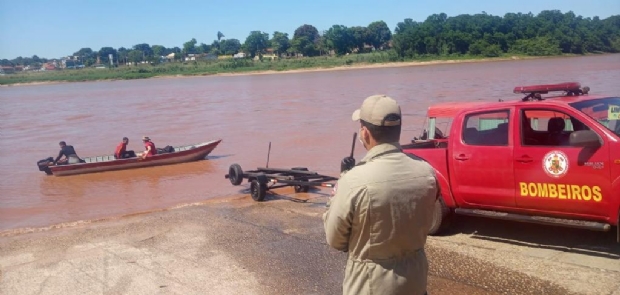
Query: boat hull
x: 181, y: 156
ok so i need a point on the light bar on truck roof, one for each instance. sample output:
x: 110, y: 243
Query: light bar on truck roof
x: 534, y: 91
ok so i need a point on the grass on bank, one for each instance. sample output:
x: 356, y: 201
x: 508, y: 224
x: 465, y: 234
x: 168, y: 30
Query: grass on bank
x: 192, y: 68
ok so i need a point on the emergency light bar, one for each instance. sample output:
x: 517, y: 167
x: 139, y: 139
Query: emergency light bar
x: 535, y: 91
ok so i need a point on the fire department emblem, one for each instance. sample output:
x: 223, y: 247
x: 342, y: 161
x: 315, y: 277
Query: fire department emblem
x: 555, y: 164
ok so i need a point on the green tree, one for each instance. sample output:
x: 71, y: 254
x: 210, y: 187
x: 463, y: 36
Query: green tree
x: 256, y: 42
x: 379, y: 34
x: 177, y: 53
x: 104, y: 53
x: 159, y: 50
x: 305, y: 40
x: 145, y: 49
x: 339, y: 38
x: 86, y: 56
x: 18, y: 61
x: 135, y: 56
x: 216, y: 46
x: 189, y: 46
x: 203, y: 48
x: 230, y: 46
x: 304, y: 46
x: 360, y: 36
x: 539, y: 46
x: 280, y: 42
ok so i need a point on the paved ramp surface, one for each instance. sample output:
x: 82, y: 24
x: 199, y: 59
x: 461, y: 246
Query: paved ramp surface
x: 238, y: 246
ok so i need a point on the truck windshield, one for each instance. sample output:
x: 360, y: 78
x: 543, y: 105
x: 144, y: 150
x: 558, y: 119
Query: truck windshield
x: 605, y: 111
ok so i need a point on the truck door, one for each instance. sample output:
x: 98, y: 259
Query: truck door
x: 481, y: 159
x: 552, y: 176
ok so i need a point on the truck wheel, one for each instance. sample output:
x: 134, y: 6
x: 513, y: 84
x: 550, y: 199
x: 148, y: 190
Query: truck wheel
x: 235, y: 174
x: 258, y: 188
x: 441, y: 218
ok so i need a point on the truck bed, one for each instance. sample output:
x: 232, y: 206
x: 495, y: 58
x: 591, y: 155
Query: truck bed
x: 435, y: 152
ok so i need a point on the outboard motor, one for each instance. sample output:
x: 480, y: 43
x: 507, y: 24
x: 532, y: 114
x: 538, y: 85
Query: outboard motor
x: 166, y: 150
x: 44, y: 165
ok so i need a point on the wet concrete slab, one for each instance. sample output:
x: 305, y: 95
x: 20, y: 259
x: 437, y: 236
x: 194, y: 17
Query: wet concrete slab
x: 584, y: 262
x: 229, y: 246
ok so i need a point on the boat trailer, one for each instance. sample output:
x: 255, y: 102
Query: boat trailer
x: 263, y: 179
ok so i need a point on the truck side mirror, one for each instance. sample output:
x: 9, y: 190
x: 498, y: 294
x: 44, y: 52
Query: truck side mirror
x: 585, y: 138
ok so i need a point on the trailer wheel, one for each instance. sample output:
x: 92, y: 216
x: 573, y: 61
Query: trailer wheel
x: 441, y: 218
x: 235, y: 174
x: 301, y: 188
x: 258, y: 188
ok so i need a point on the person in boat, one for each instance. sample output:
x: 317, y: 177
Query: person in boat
x: 122, y: 152
x: 149, y: 146
x: 70, y: 156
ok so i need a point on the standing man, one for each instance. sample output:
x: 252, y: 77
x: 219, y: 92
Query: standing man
x: 122, y: 152
x: 149, y: 146
x: 69, y: 153
x: 382, y: 208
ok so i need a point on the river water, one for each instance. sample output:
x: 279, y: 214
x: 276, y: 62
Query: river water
x: 305, y: 116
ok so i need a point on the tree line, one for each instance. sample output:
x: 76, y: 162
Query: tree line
x: 551, y: 32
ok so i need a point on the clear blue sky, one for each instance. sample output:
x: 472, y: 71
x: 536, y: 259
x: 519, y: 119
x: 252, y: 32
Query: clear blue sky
x: 53, y: 29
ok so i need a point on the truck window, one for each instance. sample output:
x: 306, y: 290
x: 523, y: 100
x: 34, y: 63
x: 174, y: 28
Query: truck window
x: 606, y: 111
x: 487, y: 128
x: 540, y: 127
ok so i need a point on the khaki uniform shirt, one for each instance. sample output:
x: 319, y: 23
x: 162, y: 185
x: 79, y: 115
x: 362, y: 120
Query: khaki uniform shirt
x: 381, y: 214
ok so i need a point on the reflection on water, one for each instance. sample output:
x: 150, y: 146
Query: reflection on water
x: 305, y: 116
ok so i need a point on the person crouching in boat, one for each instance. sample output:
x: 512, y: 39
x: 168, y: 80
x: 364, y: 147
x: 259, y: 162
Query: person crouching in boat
x: 149, y: 146
x: 122, y: 152
x: 69, y: 153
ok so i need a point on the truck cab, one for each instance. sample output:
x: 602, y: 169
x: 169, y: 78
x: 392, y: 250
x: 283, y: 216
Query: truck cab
x: 552, y: 160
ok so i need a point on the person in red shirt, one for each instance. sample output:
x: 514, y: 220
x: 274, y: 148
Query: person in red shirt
x: 122, y: 152
x: 149, y: 146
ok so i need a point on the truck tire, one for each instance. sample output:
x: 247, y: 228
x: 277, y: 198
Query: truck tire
x: 441, y: 220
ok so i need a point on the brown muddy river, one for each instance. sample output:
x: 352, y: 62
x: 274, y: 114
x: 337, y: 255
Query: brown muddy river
x: 306, y: 117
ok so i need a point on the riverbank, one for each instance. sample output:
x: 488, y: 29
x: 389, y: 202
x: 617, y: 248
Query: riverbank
x: 241, y: 67
x: 238, y: 246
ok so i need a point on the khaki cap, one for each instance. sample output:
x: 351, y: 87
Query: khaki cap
x: 376, y: 109
x: 145, y: 138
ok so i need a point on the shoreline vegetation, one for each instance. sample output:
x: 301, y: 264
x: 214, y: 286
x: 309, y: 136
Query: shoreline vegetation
x: 244, y: 67
x: 438, y: 39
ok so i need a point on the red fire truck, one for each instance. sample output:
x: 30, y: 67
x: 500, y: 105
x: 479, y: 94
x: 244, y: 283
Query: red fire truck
x: 543, y: 159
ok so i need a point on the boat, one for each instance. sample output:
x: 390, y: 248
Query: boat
x: 181, y: 154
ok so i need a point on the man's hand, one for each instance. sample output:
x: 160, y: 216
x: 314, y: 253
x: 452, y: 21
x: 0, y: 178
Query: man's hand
x: 346, y: 164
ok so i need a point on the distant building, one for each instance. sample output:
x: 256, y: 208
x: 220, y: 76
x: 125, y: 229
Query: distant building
x: 70, y: 62
x: 168, y: 58
x: 240, y: 55
x: 7, y: 70
x: 50, y: 66
x: 210, y: 56
x: 192, y: 56
x: 200, y: 56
